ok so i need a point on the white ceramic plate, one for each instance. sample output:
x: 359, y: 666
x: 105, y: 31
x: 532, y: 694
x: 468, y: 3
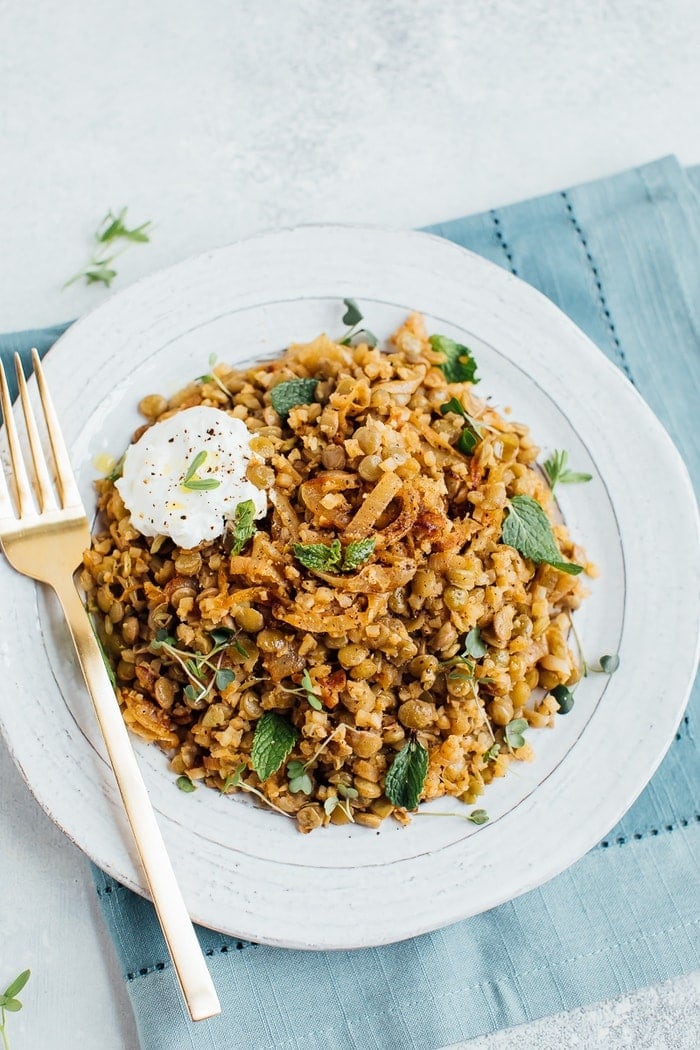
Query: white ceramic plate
x: 247, y: 871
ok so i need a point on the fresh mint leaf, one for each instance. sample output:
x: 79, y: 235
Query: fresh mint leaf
x: 242, y: 528
x: 320, y: 556
x: 185, y: 784
x: 292, y: 392
x: 473, y: 645
x: 406, y: 776
x: 556, y: 470
x: 528, y: 530
x: 472, y: 431
x: 458, y: 363
x: 514, y: 732
x: 564, y: 698
x: 273, y: 740
x: 357, y: 553
x: 324, y: 557
x: 467, y: 440
x: 353, y: 314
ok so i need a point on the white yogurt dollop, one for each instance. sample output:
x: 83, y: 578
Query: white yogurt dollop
x: 153, y: 482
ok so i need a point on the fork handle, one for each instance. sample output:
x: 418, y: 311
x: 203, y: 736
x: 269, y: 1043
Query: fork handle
x: 186, y: 953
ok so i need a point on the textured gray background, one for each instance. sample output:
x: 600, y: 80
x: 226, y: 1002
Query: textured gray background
x: 219, y: 118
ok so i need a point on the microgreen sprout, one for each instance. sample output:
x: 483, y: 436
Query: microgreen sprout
x: 299, y: 779
x: 514, y: 733
x: 234, y: 780
x: 204, y: 671
x: 341, y: 801
x: 306, y: 689
x: 477, y: 816
x: 10, y: 1003
x: 492, y: 754
x: 353, y: 318
x: 462, y: 667
x: 607, y: 665
x: 297, y: 771
x: 212, y: 377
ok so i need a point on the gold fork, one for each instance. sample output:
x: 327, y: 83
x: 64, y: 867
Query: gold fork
x: 47, y: 544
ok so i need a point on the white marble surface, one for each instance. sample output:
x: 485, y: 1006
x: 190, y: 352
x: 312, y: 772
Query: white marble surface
x: 222, y: 117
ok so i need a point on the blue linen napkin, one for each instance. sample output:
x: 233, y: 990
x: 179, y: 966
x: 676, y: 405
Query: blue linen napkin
x: 622, y: 257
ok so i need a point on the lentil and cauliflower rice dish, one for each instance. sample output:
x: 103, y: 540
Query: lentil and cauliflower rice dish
x: 391, y: 626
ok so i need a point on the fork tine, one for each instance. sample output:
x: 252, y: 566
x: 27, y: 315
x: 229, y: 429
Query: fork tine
x: 67, y: 487
x: 47, y: 500
x: 23, y: 492
x: 7, y: 509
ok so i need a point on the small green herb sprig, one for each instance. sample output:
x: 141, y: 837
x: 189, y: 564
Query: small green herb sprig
x: 185, y: 785
x: 528, y: 530
x: 458, y: 364
x: 472, y: 429
x: 192, y: 481
x: 557, y: 473
x: 330, y: 557
x: 306, y: 689
x: 10, y: 1003
x: 112, y: 230
x: 117, y: 470
x: 353, y: 318
x: 202, y: 670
